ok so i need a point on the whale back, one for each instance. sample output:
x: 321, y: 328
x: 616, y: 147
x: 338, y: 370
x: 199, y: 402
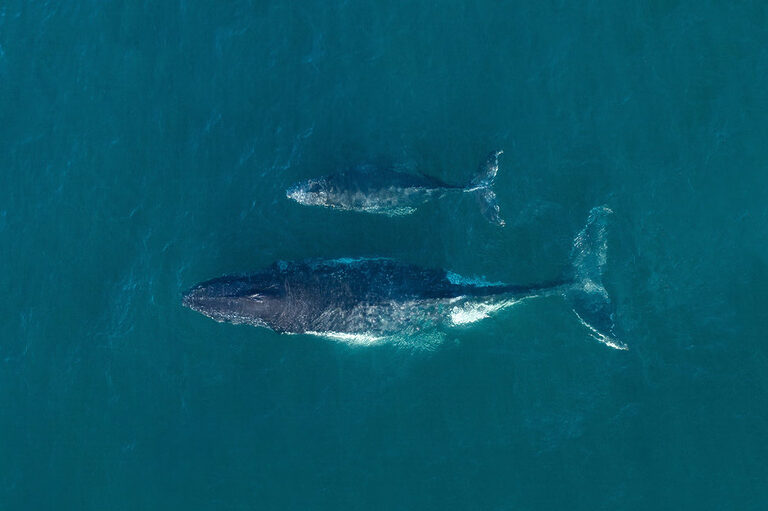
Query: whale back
x: 369, y: 178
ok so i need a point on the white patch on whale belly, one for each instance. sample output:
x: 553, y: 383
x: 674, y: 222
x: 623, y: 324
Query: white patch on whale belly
x: 396, y: 203
x: 469, y: 312
x: 390, y: 211
x: 355, y: 339
x: 412, y: 340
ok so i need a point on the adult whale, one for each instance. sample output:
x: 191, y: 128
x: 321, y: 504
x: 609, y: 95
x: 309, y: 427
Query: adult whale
x: 388, y: 191
x: 371, y: 299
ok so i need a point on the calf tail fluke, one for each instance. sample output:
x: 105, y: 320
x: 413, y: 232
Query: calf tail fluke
x: 481, y: 186
x: 588, y: 297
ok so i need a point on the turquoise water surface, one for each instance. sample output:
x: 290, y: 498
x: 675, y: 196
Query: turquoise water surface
x: 147, y: 146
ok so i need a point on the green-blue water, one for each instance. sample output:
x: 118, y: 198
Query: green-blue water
x: 146, y: 146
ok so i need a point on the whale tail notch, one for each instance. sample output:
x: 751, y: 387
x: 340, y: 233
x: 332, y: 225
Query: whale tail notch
x: 481, y: 186
x: 587, y: 296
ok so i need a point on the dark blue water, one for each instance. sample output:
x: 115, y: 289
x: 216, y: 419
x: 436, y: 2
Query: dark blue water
x: 147, y: 146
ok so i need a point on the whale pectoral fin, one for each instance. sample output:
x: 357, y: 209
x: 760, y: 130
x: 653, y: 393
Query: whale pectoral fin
x: 489, y: 207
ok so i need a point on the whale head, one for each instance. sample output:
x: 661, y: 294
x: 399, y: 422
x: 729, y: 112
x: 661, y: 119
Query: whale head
x: 249, y: 299
x: 312, y: 192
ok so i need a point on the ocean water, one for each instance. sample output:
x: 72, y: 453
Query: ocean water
x: 146, y: 146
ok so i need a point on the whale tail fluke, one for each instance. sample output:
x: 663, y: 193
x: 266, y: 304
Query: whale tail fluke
x: 587, y: 296
x: 481, y: 186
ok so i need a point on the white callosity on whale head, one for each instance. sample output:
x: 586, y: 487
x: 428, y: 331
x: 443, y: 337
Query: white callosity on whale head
x: 309, y: 193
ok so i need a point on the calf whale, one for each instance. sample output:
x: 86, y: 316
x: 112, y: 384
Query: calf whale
x: 388, y: 191
x: 370, y: 299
